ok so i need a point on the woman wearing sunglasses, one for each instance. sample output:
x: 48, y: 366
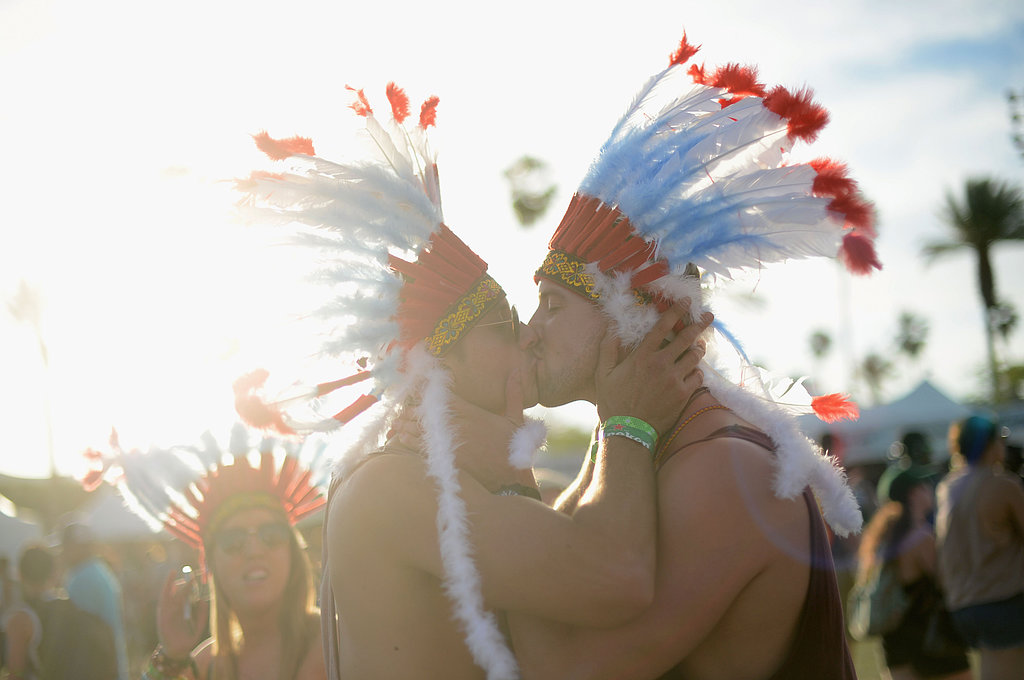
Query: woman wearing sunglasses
x: 254, y: 588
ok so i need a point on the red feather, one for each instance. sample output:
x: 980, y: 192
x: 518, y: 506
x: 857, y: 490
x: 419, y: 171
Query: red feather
x: 251, y: 407
x: 428, y: 113
x: 399, y: 102
x: 805, y: 118
x: 361, y: 105
x: 699, y: 74
x: 92, y: 480
x: 683, y: 53
x: 858, y: 253
x: 856, y: 211
x: 832, y: 179
x: 834, y: 407
x: 738, y: 80
x: 279, y: 149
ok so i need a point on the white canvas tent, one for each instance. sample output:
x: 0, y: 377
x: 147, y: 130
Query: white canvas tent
x: 867, y: 440
x: 111, y: 521
x: 15, y: 534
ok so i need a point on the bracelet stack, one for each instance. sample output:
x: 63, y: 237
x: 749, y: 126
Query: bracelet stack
x: 631, y: 428
x: 163, y: 667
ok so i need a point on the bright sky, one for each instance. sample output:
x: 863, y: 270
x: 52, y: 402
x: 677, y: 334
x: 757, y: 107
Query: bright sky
x: 117, y: 117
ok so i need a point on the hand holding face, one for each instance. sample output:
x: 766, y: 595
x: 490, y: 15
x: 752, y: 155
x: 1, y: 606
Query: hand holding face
x: 653, y: 380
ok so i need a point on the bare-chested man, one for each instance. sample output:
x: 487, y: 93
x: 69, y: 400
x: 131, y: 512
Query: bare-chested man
x: 425, y: 544
x: 696, y: 177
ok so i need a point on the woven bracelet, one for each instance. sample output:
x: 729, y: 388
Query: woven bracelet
x: 162, y: 667
x: 631, y: 428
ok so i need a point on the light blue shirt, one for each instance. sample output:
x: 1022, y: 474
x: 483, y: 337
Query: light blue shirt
x: 93, y: 587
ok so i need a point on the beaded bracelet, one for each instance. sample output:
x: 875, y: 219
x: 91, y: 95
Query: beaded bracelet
x: 631, y: 428
x: 519, y: 490
x: 163, y: 667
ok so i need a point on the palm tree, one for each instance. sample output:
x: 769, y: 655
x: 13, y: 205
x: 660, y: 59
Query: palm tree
x: 876, y: 370
x: 912, y: 335
x: 992, y: 211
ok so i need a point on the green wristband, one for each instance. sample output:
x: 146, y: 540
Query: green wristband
x: 631, y: 428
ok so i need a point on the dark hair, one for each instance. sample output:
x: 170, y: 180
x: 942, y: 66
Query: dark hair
x: 917, y: 447
x: 973, y: 437
x: 36, y: 565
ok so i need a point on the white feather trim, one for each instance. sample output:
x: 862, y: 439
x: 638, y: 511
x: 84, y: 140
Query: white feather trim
x: 799, y: 462
x: 633, y: 321
x: 525, y: 443
x: 461, y: 578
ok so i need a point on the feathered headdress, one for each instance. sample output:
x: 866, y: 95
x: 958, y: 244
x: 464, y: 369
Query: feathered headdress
x: 695, y: 174
x: 406, y: 289
x: 189, y: 490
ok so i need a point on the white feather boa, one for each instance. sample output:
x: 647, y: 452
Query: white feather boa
x: 525, y: 443
x: 423, y: 374
x: 461, y: 578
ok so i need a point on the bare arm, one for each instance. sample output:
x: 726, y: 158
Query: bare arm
x: 595, y: 566
x: 703, y: 566
x: 570, y: 497
x: 19, y: 637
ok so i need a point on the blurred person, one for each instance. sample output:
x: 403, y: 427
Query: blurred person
x: 92, y: 585
x: 253, y: 588
x: 900, y: 534
x: 695, y: 182
x: 23, y: 632
x: 980, y: 529
x: 914, y: 450
x: 51, y: 637
x: 427, y: 540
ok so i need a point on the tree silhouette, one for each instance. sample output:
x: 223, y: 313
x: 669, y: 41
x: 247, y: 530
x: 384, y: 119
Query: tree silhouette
x: 875, y: 370
x: 990, y: 212
x: 532, y: 189
x: 911, y: 335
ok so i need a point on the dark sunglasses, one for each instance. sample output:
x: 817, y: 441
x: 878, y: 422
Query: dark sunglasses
x: 232, y: 541
x: 514, y: 320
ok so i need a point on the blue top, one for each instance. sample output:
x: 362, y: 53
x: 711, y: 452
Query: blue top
x: 93, y: 587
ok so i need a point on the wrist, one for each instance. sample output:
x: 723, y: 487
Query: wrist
x: 631, y: 428
x: 161, y: 666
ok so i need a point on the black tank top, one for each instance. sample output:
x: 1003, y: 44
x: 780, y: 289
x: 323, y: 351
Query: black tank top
x: 819, y: 650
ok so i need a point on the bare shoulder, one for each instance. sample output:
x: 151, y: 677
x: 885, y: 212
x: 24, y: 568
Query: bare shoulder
x: 386, y: 507
x: 386, y: 483
x: 725, y: 485
x: 720, y: 470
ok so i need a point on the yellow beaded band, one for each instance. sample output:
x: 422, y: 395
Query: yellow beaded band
x: 569, y: 270
x: 463, y: 314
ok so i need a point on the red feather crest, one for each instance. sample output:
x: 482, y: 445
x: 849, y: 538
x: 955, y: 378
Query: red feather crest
x: 834, y: 407
x: 279, y: 149
x: 428, y: 113
x: 399, y: 103
x: 361, y: 105
x: 683, y: 53
x: 806, y: 119
x: 858, y: 253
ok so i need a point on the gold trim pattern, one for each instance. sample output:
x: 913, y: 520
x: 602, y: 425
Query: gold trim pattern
x: 567, y: 269
x: 463, y: 314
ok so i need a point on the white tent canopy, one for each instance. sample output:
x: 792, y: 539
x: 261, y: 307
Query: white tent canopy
x: 110, y: 520
x: 867, y: 439
x: 15, y: 534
